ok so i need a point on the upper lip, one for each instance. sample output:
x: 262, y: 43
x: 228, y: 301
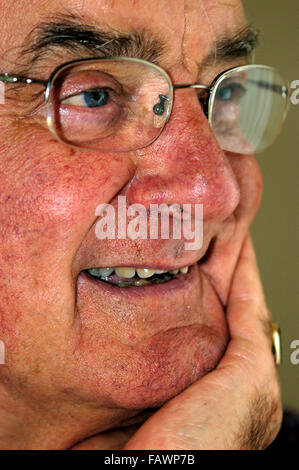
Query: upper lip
x: 160, y: 254
x: 151, y: 264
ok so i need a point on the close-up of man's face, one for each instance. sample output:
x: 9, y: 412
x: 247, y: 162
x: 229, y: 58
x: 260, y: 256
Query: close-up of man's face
x: 84, y: 345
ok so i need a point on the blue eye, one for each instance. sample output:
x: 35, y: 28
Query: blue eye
x: 230, y: 92
x: 89, y: 99
x: 94, y: 99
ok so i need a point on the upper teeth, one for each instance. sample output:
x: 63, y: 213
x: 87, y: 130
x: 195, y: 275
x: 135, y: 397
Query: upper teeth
x: 128, y: 272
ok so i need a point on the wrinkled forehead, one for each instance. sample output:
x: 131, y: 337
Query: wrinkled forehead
x: 185, y: 26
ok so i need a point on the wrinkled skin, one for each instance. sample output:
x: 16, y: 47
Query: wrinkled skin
x: 81, y: 361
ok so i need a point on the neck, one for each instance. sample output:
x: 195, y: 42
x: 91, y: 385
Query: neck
x: 34, y: 425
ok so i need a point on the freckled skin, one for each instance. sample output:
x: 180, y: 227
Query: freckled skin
x: 80, y: 361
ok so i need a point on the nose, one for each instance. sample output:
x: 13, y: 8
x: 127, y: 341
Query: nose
x: 185, y: 165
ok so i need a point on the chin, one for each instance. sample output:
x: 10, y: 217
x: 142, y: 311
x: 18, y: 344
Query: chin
x: 150, y: 374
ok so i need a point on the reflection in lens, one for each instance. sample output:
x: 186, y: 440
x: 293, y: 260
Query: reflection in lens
x: 230, y: 91
x: 249, y: 104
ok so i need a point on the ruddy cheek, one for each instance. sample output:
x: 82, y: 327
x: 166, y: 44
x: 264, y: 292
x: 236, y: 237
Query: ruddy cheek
x: 54, y: 190
x: 249, y: 178
x: 220, y: 265
x: 47, y: 202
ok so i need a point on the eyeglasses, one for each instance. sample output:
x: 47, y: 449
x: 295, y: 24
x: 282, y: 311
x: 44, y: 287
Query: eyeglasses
x: 122, y: 104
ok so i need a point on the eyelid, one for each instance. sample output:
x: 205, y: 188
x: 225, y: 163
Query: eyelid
x: 73, y: 85
x: 77, y: 95
x: 66, y: 96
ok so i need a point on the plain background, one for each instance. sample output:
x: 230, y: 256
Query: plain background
x: 274, y: 231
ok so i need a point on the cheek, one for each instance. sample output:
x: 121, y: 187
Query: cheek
x: 221, y: 264
x: 48, y: 199
x: 249, y: 178
x: 50, y: 192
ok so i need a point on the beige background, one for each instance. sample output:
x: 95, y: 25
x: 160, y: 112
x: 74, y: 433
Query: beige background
x: 275, y: 230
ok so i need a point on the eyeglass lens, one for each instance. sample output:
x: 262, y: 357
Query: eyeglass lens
x: 109, y: 105
x: 248, y: 109
x: 122, y: 105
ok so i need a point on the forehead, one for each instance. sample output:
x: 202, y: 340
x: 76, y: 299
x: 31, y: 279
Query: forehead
x: 189, y: 27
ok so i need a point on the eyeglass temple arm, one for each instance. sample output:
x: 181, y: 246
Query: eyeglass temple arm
x: 280, y: 89
x: 17, y: 79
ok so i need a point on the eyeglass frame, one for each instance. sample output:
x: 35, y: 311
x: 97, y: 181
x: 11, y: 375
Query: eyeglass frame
x: 285, y: 89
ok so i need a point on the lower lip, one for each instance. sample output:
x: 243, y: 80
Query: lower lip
x: 176, y: 285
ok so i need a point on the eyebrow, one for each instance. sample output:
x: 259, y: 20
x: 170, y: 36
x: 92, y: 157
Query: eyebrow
x: 239, y: 45
x: 69, y: 33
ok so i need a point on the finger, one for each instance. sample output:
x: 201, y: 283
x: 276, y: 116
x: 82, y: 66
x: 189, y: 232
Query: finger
x: 250, y: 326
x: 248, y: 366
x: 247, y: 313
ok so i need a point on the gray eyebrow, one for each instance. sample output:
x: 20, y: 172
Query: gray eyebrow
x: 70, y: 33
x: 241, y: 44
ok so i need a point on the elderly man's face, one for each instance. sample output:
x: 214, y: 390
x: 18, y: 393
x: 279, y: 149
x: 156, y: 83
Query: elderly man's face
x: 83, y: 345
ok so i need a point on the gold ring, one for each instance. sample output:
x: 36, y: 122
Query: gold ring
x: 276, y: 346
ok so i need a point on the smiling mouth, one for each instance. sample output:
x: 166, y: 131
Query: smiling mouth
x: 135, y: 277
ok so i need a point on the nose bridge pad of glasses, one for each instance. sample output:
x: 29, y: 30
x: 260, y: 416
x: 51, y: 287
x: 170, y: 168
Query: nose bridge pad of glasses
x: 160, y: 111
